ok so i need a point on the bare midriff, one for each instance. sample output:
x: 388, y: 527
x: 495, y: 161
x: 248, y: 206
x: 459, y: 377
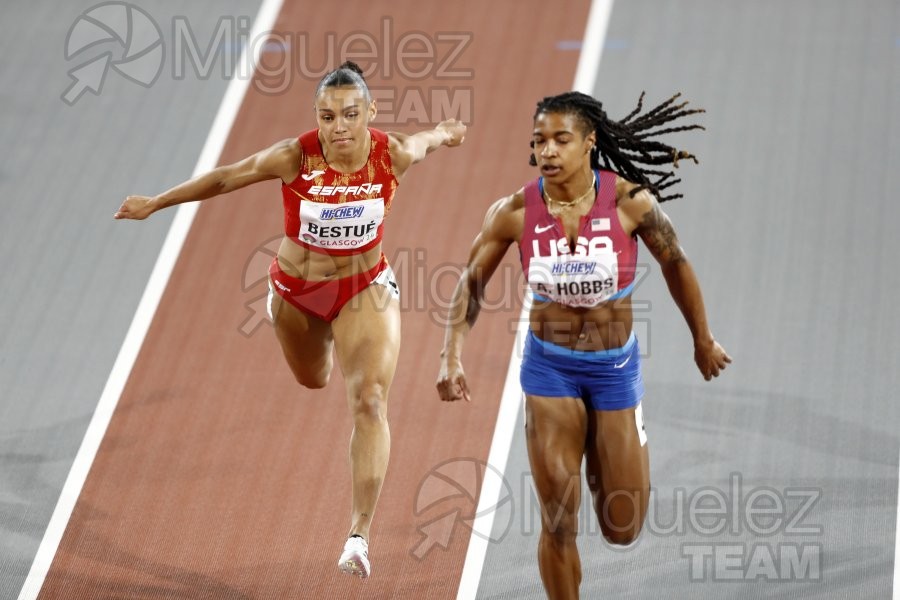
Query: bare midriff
x: 602, y: 327
x: 302, y: 263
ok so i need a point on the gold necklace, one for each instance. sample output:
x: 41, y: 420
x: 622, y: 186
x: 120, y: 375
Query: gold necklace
x: 576, y: 200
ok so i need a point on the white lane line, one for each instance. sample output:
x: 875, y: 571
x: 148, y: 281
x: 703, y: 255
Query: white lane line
x: 897, y: 543
x: 134, y: 339
x: 592, y: 49
x: 511, y: 400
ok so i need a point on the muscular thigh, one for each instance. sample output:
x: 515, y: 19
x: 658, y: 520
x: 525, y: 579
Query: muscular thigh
x: 367, y: 337
x: 618, y: 463
x: 555, y: 432
x: 306, y: 341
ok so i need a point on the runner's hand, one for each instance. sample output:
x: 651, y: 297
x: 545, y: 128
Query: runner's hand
x: 451, y: 383
x: 710, y: 358
x: 136, y: 207
x: 456, y: 131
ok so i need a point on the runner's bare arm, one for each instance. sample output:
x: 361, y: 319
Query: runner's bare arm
x: 502, y: 226
x: 271, y: 163
x: 407, y: 150
x: 655, y: 229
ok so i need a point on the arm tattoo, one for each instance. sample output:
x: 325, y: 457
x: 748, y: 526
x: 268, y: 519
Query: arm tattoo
x: 659, y: 235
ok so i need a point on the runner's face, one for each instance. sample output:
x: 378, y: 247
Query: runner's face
x: 343, y: 116
x: 560, y: 147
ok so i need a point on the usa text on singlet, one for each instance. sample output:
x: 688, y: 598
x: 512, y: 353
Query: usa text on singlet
x: 600, y: 268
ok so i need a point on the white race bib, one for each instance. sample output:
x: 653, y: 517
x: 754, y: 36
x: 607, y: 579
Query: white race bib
x: 580, y: 281
x: 340, y: 226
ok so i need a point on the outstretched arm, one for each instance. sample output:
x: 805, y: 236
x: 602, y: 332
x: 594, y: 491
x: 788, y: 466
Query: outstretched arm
x: 271, y: 163
x: 655, y: 229
x: 497, y: 233
x: 407, y: 150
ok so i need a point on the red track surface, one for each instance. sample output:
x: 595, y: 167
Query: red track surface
x: 220, y: 477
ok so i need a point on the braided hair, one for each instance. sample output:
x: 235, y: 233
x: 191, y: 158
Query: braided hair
x: 348, y: 73
x: 626, y: 147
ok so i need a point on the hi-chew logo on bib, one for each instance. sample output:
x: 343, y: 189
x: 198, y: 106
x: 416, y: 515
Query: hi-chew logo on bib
x: 341, y: 212
x: 574, y: 280
x: 341, y: 226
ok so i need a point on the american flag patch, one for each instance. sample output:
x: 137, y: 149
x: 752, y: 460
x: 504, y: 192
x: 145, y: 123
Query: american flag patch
x: 600, y: 224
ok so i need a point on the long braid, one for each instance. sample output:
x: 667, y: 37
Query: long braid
x: 627, y: 147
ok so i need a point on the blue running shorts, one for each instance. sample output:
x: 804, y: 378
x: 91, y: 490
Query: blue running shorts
x: 605, y: 379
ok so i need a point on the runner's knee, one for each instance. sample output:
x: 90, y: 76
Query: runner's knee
x: 560, y: 524
x: 623, y: 538
x: 313, y: 381
x: 314, y: 376
x: 621, y: 516
x: 368, y: 401
x: 560, y: 508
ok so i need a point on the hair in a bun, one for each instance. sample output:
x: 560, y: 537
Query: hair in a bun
x: 348, y: 73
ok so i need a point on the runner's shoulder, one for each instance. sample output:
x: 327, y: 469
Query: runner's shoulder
x: 506, y: 216
x: 282, y: 158
x: 288, y: 150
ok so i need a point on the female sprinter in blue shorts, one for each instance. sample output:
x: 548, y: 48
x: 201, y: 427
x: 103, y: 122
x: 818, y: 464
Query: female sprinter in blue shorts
x: 337, y: 184
x: 577, y: 227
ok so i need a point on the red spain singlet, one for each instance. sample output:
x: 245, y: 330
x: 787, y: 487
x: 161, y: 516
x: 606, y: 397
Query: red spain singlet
x: 601, y: 267
x: 339, y: 213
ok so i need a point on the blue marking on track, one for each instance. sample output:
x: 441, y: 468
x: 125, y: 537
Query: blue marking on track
x: 613, y: 44
x: 569, y: 45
